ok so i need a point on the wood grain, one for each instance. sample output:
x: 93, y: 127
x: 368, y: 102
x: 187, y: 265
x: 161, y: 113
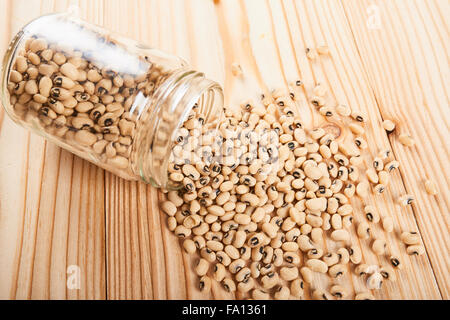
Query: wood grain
x: 57, y: 210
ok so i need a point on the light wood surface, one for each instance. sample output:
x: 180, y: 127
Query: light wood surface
x: 57, y: 210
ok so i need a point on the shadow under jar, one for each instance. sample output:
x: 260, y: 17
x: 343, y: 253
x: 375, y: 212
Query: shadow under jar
x: 106, y: 98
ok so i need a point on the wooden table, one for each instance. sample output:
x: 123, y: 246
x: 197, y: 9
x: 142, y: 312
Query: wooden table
x: 61, y: 216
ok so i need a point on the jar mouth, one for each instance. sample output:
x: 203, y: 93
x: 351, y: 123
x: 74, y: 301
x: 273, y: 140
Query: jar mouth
x: 172, y: 104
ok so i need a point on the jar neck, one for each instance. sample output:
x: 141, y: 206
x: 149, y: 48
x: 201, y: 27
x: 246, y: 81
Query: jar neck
x: 168, y: 109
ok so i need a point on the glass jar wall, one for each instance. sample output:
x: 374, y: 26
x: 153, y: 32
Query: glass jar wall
x: 106, y: 98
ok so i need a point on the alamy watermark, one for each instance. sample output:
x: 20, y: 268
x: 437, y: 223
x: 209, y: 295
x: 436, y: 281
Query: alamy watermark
x: 73, y: 277
x: 373, y: 21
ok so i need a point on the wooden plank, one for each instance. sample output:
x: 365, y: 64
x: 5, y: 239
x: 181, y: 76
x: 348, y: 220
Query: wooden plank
x: 57, y: 210
x: 414, y: 93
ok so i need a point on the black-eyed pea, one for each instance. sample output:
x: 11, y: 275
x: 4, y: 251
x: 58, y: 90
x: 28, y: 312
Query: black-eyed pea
x: 277, y: 259
x: 415, y: 250
x: 379, y: 188
x: 69, y: 70
x: 21, y: 65
x: 37, y: 45
x: 406, y: 140
x: 278, y: 240
x: 410, y: 238
x: 236, y: 265
x: 126, y: 127
x: 304, y: 243
x: 336, y: 221
x: 227, y: 240
x: 104, y: 86
x: 255, y: 268
x: 364, y: 296
x: 315, y: 253
x: 405, y: 200
x: 47, y: 55
x: 255, y: 240
x: 431, y: 188
x: 267, y: 254
x: 289, y: 273
x: 362, y: 189
x: 182, y: 232
x: 270, y: 280
x: 243, y: 274
x: 33, y: 58
x: 383, y: 177
x: 307, y: 274
x: 291, y: 258
x: 356, y: 129
x: 347, y: 221
x: 340, y: 235
x: 78, y: 122
x: 110, y: 150
x: 344, y: 255
x: 270, y: 229
x: 228, y: 284
x: 208, y: 254
x: 202, y: 267
x: 395, y: 262
x: 359, y: 116
x: 371, y: 214
x: 362, y: 270
x: 241, y: 218
x: 169, y: 208
x: 317, y: 265
x: 232, y: 252
x: 296, y: 287
x: 223, y: 258
x: 239, y: 239
x: 39, y: 98
x: 316, y: 235
x: 99, y: 146
x: 293, y: 234
x: 336, y: 271
x: 332, y: 205
x: 374, y: 281
x: 86, y: 138
x: 363, y: 230
x: 205, y: 284
x: 355, y: 254
x: 345, y: 209
x: 259, y: 294
x: 216, y: 210
x: 31, y: 87
x: 319, y: 294
x: 246, y: 285
x: 391, y: 166
x: 379, y: 247
x: 60, y: 94
x: 326, y: 222
x: 338, y: 291
x: 192, y: 221
x: 349, y: 190
x: 388, y: 273
x: 314, y: 221
x: 282, y: 293
x: 330, y: 259
x: 219, y: 272
x: 290, y: 246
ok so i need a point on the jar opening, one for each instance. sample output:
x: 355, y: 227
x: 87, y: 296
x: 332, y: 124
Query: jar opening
x: 173, y: 104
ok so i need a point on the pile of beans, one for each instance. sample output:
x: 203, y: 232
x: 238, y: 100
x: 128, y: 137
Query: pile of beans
x: 258, y: 198
x: 68, y: 93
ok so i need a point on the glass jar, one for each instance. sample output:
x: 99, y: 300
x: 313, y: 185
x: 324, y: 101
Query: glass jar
x: 106, y: 98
